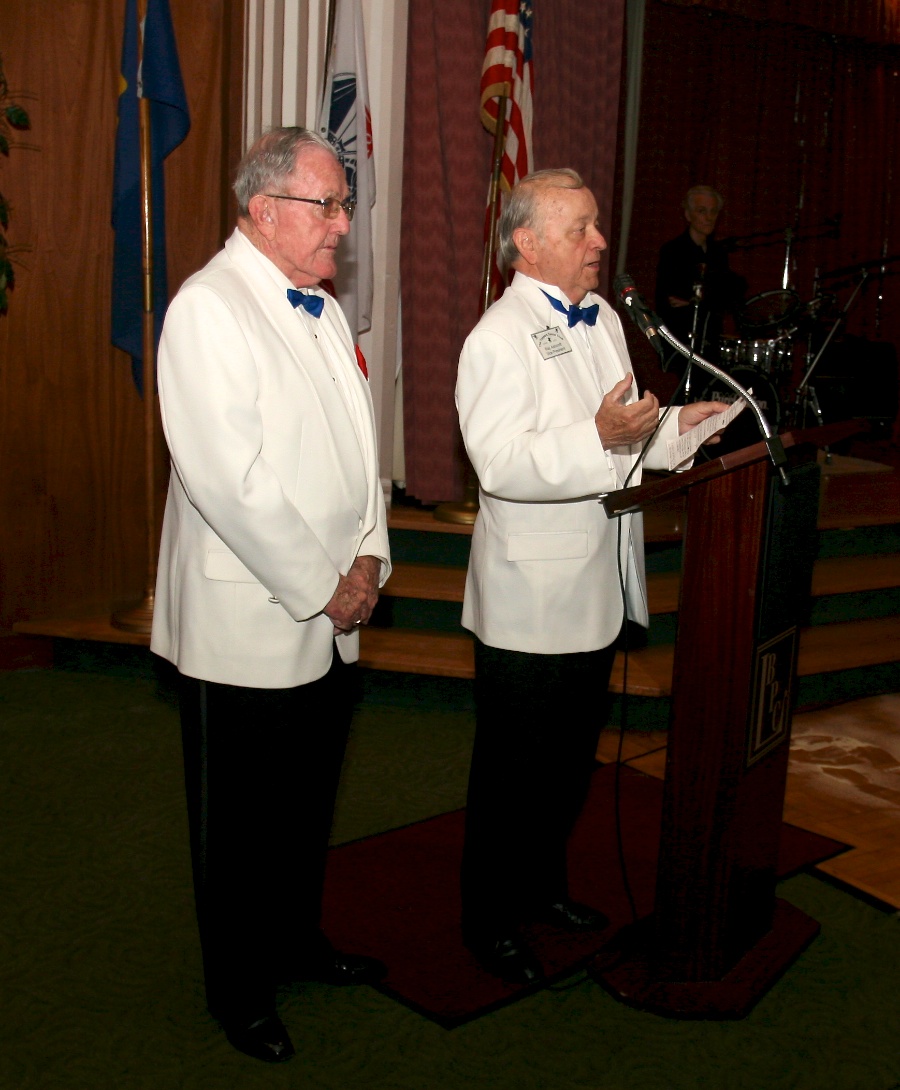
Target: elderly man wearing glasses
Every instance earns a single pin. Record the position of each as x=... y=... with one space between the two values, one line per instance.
x=274 y=546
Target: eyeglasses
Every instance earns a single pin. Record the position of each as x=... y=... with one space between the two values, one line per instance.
x=331 y=206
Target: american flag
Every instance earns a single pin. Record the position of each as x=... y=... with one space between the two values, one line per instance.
x=508 y=70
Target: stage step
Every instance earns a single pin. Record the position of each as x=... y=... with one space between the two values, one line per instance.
x=823 y=649
x=831 y=575
x=424 y=636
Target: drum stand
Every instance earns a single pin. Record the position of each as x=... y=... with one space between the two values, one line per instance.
x=695 y=346
x=805 y=400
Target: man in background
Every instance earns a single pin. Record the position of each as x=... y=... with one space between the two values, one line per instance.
x=274 y=546
x=695 y=288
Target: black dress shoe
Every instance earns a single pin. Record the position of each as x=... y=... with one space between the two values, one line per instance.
x=320 y=961
x=265 y=1039
x=507 y=956
x=572 y=916
x=341 y=968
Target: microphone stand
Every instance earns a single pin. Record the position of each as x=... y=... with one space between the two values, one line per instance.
x=653 y=329
x=695 y=301
x=772 y=441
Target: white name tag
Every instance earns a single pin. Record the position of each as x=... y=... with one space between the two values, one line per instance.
x=551 y=342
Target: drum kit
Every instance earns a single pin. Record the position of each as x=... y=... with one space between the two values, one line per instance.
x=780 y=342
x=761 y=355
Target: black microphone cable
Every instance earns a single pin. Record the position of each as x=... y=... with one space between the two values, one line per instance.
x=623 y=721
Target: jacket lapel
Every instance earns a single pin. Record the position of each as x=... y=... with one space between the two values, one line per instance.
x=311 y=356
x=576 y=366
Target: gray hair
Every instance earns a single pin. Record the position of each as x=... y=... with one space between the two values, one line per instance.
x=523 y=208
x=271 y=161
x=706 y=191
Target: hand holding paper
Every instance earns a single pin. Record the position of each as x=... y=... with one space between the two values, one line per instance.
x=686 y=445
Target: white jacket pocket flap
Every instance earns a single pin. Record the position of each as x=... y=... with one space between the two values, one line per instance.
x=226 y=566
x=556 y=546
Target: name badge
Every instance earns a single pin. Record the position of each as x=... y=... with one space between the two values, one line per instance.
x=551 y=342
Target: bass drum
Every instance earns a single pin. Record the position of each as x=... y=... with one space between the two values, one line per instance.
x=744 y=430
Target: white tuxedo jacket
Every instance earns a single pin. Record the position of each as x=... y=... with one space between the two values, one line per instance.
x=274 y=488
x=543 y=576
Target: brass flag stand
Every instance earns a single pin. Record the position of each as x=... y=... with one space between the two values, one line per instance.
x=139 y=618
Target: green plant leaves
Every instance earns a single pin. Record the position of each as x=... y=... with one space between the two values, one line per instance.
x=17 y=117
x=12 y=116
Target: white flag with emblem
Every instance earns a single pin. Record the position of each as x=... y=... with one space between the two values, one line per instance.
x=345 y=120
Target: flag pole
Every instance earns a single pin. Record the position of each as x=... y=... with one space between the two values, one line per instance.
x=493 y=201
x=139 y=618
x=465 y=512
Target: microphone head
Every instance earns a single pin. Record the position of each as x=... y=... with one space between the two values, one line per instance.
x=623 y=284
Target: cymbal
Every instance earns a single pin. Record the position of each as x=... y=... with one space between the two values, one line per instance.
x=860 y=266
x=818 y=307
x=851 y=281
x=768 y=310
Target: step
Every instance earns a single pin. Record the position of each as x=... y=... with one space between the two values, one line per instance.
x=441 y=654
x=823 y=649
x=831 y=575
x=449 y=654
x=416 y=651
x=853 y=494
x=663 y=522
x=827 y=648
x=432 y=582
x=851 y=574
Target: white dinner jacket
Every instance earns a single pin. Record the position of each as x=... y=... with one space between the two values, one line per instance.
x=274 y=488
x=542 y=575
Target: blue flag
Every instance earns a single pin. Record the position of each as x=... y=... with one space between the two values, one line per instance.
x=159 y=81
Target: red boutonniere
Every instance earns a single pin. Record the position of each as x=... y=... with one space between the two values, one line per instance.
x=328 y=286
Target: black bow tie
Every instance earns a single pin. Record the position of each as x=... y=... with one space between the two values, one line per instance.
x=312 y=304
x=588 y=315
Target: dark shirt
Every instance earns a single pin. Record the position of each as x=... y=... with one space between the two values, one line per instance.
x=685 y=269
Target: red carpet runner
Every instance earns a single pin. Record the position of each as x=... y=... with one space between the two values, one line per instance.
x=395 y=896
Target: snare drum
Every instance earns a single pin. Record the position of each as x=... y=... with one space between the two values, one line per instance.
x=729 y=349
x=771 y=356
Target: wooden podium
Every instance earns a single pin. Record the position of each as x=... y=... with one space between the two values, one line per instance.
x=718 y=936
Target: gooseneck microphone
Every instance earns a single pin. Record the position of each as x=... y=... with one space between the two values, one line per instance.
x=655 y=332
x=643 y=316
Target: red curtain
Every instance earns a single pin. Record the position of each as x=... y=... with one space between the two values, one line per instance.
x=873 y=21
x=793 y=123
x=445 y=182
x=794 y=126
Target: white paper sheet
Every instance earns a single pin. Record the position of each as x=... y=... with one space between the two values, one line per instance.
x=685 y=446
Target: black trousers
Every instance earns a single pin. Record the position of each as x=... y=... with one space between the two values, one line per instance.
x=538 y=719
x=261 y=774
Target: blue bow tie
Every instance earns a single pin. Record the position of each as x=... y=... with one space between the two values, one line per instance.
x=588 y=315
x=312 y=304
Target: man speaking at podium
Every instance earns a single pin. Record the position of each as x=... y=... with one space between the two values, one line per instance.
x=551 y=421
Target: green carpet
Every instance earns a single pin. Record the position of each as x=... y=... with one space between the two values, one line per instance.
x=100 y=983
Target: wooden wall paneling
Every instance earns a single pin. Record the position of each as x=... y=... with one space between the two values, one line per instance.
x=231 y=108
x=72 y=537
